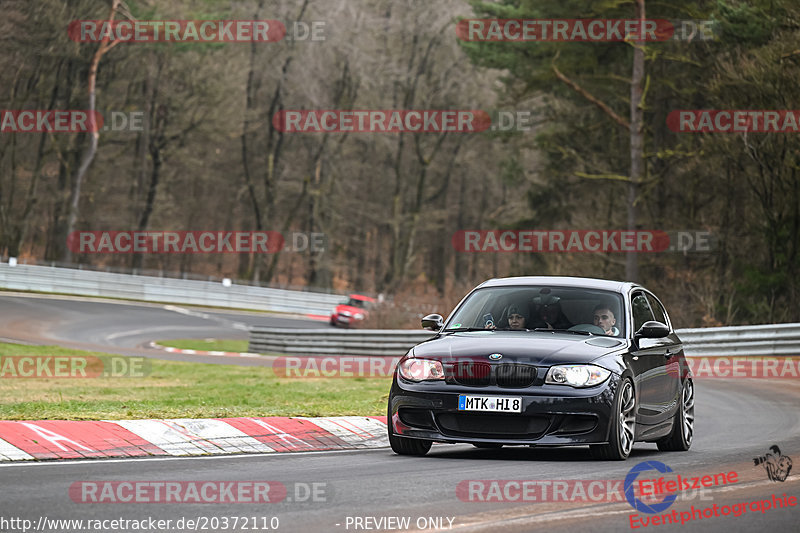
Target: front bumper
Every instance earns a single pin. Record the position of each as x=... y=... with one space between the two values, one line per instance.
x=552 y=415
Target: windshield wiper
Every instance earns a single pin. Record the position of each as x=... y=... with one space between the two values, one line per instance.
x=565 y=331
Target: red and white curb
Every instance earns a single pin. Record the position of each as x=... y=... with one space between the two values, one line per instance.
x=65 y=439
x=170 y=349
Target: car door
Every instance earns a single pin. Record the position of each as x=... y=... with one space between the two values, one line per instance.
x=647 y=359
x=670 y=386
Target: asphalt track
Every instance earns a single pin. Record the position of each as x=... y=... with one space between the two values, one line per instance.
x=736 y=421
x=126 y=328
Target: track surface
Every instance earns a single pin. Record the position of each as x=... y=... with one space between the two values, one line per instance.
x=126 y=328
x=736 y=421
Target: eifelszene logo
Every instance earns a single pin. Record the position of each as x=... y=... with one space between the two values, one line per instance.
x=630 y=483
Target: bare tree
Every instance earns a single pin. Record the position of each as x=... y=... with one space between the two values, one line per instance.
x=94 y=133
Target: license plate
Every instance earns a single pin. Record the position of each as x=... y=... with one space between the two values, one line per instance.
x=503 y=404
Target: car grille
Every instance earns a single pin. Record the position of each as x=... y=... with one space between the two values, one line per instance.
x=515 y=376
x=472 y=374
x=479 y=425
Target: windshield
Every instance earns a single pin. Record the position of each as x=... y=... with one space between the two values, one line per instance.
x=540 y=307
x=356 y=303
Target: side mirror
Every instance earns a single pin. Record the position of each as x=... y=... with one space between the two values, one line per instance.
x=433 y=322
x=652 y=330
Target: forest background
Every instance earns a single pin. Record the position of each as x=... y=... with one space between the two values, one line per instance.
x=598 y=153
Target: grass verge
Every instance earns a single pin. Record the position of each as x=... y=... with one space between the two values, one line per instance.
x=172 y=389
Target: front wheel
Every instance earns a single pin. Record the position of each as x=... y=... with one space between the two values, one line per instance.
x=623 y=426
x=404 y=445
x=680 y=438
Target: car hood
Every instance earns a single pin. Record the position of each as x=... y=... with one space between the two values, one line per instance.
x=536 y=348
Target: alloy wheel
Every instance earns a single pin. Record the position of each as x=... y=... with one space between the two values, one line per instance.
x=627 y=417
x=688 y=411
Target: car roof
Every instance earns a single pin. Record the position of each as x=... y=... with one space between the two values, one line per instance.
x=362 y=297
x=561 y=281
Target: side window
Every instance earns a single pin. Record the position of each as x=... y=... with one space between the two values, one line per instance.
x=658 y=310
x=641 y=311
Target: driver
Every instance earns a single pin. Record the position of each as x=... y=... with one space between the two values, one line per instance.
x=604 y=318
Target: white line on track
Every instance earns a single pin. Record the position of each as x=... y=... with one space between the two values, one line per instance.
x=206 y=316
x=133 y=332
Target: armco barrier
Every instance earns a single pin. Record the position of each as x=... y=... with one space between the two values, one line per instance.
x=156 y=289
x=335 y=342
x=768 y=339
x=775 y=339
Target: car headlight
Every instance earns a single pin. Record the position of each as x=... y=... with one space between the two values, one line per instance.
x=359 y=316
x=576 y=375
x=420 y=369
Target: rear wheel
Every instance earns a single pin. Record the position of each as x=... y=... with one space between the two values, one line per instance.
x=404 y=445
x=623 y=426
x=680 y=438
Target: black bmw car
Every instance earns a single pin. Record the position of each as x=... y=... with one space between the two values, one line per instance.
x=549 y=361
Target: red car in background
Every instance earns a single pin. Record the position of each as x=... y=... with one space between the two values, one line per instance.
x=355 y=309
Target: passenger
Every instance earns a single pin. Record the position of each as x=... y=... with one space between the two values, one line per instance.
x=551 y=313
x=604 y=318
x=517 y=317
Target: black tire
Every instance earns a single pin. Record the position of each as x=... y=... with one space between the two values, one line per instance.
x=682 y=434
x=404 y=445
x=623 y=425
x=487 y=445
